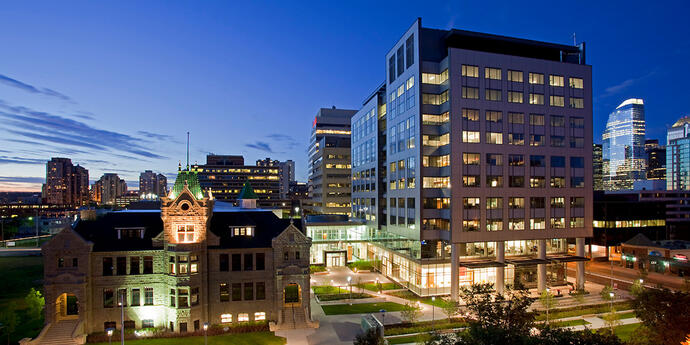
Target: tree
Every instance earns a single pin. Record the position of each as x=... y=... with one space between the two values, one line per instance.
x=35 y=302
x=370 y=337
x=636 y=288
x=9 y=320
x=411 y=312
x=451 y=308
x=606 y=293
x=611 y=319
x=665 y=314
x=579 y=296
x=499 y=311
x=548 y=301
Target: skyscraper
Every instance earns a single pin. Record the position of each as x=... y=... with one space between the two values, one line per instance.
x=287 y=176
x=151 y=184
x=678 y=155
x=597 y=162
x=329 y=161
x=624 y=159
x=656 y=159
x=66 y=184
x=109 y=187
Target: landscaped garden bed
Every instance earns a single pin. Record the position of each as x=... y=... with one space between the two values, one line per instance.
x=162 y=333
x=560 y=313
x=408 y=295
x=268 y=338
x=424 y=326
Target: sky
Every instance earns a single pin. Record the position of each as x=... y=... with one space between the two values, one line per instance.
x=115 y=85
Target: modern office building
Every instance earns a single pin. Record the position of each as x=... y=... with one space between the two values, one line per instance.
x=623 y=151
x=225 y=175
x=329 y=162
x=66 y=184
x=476 y=156
x=108 y=188
x=678 y=155
x=597 y=167
x=656 y=160
x=287 y=177
x=152 y=184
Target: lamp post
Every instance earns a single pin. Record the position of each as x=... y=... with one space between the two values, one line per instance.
x=349 y=279
x=122 y=319
x=433 y=309
x=110 y=335
x=205 y=333
x=611 y=295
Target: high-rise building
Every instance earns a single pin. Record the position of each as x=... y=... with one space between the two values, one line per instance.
x=624 y=159
x=678 y=155
x=152 y=184
x=656 y=159
x=329 y=161
x=225 y=175
x=498 y=127
x=66 y=184
x=110 y=187
x=597 y=167
x=287 y=177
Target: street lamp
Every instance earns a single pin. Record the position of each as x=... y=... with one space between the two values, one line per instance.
x=205 y=333
x=349 y=279
x=611 y=300
x=433 y=309
x=110 y=335
x=122 y=319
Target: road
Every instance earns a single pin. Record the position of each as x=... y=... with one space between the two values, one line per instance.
x=600 y=272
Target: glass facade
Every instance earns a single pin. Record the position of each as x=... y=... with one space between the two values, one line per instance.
x=678 y=155
x=624 y=159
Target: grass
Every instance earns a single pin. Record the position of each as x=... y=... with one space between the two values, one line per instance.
x=19 y=275
x=317 y=268
x=329 y=290
x=625 y=332
x=375 y=287
x=361 y=308
x=410 y=296
x=267 y=338
x=581 y=310
x=424 y=326
x=362 y=265
x=419 y=338
x=569 y=323
x=626 y=315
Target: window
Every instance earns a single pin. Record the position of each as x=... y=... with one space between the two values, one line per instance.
x=147 y=323
x=557 y=121
x=136 y=297
x=470 y=71
x=575 y=83
x=122 y=297
x=470 y=92
x=494 y=203
x=557 y=223
x=248 y=262
x=577 y=142
x=577 y=222
x=556 y=101
x=492 y=95
x=494 y=225
x=537 y=224
x=109 y=324
x=537 y=161
x=185 y=233
x=224 y=292
x=248 y=291
x=183 y=327
x=537 y=202
x=537 y=182
x=260 y=291
x=470 y=203
x=516 y=160
x=61 y=262
x=409 y=51
x=492 y=73
x=516 y=118
x=108 y=266
x=436 y=182
x=148 y=264
x=259 y=316
x=134 y=265
x=516 y=224
x=470 y=158
x=494 y=159
x=436 y=161
x=470 y=114
x=515 y=76
x=75 y=262
x=557 y=162
x=536 y=120
x=435 y=79
x=242 y=317
x=172 y=265
x=173 y=297
x=577 y=182
x=516 y=203
x=436 y=203
x=391 y=69
x=224 y=262
x=536 y=98
x=435 y=224
x=148 y=296
x=516 y=181
x=470 y=225
x=194 y=296
x=471 y=181
x=434 y=99
x=577 y=202
x=577 y=122
x=237 y=291
x=515 y=97
x=470 y=137
x=536 y=140
x=494 y=117
x=492 y=138
x=536 y=78
x=557 y=182
x=108 y=298
x=557 y=202
x=225 y=318
x=400 y=57
x=557 y=141
x=556 y=80
x=516 y=139
x=577 y=102
x=432 y=140
x=236 y=262
x=431 y=119
x=577 y=162
x=260 y=261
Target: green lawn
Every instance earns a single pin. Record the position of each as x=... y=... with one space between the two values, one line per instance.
x=578 y=311
x=424 y=326
x=317 y=268
x=375 y=287
x=362 y=265
x=625 y=332
x=626 y=315
x=267 y=338
x=361 y=308
x=329 y=290
x=19 y=275
x=569 y=323
x=410 y=296
x=420 y=338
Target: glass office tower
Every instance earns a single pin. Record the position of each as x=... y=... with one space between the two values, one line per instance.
x=678 y=155
x=623 y=146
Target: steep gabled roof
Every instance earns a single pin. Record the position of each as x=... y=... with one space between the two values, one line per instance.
x=189 y=178
x=640 y=240
x=103 y=230
x=266 y=226
x=247 y=192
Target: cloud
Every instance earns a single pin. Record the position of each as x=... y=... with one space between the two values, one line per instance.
x=612 y=90
x=22 y=179
x=285 y=140
x=21 y=160
x=261 y=146
x=160 y=137
x=32 y=89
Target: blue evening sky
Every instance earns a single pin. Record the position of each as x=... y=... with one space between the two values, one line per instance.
x=115 y=85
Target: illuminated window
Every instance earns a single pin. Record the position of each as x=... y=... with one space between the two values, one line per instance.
x=514 y=97
x=225 y=318
x=470 y=158
x=431 y=119
x=516 y=203
x=492 y=138
x=536 y=98
x=536 y=78
x=492 y=73
x=575 y=83
x=470 y=114
x=435 y=79
x=558 y=223
x=537 y=224
x=194 y=268
x=494 y=203
x=515 y=76
x=470 y=92
x=558 y=202
x=436 y=182
x=185 y=233
x=242 y=317
x=470 y=203
x=494 y=224
x=470 y=71
x=557 y=101
x=577 y=222
x=516 y=224
x=516 y=139
x=577 y=103
x=470 y=137
x=259 y=316
x=492 y=95
x=556 y=80
x=471 y=181
x=470 y=225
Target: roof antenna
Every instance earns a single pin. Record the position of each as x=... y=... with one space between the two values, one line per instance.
x=187 y=151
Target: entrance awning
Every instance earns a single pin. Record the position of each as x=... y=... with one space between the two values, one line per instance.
x=567 y=258
x=480 y=264
x=526 y=261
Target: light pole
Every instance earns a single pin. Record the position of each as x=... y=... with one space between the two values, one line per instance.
x=205 y=333
x=611 y=295
x=122 y=319
x=110 y=335
x=349 y=279
x=433 y=309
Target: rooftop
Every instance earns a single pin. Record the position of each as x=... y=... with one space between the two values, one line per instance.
x=629 y=101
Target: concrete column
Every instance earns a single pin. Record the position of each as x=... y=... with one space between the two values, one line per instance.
x=580 y=266
x=541 y=268
x=500 y=271
x=454 y=271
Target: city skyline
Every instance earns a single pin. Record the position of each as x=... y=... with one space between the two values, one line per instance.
x=125 y=113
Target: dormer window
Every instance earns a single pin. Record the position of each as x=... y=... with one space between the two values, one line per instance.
x=242 y=231
x=185 y=233
x=130 y=233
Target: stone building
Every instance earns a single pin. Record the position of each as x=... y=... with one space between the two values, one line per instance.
x=194 y=260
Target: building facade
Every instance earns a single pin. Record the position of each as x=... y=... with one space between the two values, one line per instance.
x=329 y=162
x=597 y=167
x=656 y=160
x=483 y=161
x=152 y=185
x=108 y=188
x=623 y=151
x=192 y=261
x=678 y=155
x=66 y=184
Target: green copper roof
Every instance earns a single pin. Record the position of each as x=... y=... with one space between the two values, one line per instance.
x=192 y=180
x=247 y=192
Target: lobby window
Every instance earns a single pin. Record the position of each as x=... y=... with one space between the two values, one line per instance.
x=536 y=98
x=471 y=115
x=237 y=291
x=236 y=262
x=576 y=83
x=259 y=316
x=492 y=73
x=108 y=266
x=470 y=203
x=260 y=261
x=577 y=102
x=471 y=181
x=108 y=298
x=492 y=138
x=516 y=139
x=248 y=291
x=260 y=291
x=515 y=76
x=470 y=137
x=225 y=318
x=134 y=265
x=515 y=97
x=556 y=80
x=148 y=264
x=224 y=292
x=223 y=262
x=470 y=158
x=136 y=297
x=516 y=203
x=148 y=296
x=409 y=51
x=185 y=233
x=536 y=78
x=470 y=92
x=557 y=101
x=492 y=95
x=470 y=71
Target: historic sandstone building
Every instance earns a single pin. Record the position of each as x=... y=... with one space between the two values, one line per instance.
x=193 y=261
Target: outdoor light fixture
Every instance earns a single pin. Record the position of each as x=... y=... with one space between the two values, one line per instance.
x=205 y=333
